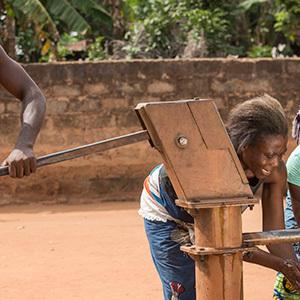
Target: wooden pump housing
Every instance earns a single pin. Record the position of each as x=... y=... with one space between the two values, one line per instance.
x=209 y=182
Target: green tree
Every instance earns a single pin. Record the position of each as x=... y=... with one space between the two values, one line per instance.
x=288 y=23
x=163 y=28
x=46 y=19
x=7 y=28
x=272 y=25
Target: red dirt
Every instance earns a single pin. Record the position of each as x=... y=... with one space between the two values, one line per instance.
x=90 y=252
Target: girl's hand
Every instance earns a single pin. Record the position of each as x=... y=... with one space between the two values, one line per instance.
x=291 y=270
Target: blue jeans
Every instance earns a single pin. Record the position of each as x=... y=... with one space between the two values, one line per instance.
x=175 y=268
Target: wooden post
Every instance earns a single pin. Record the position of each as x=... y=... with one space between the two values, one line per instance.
x=218 y=276
x=209 y=182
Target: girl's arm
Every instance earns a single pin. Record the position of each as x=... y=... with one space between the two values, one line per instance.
x=281 y=257
x=274 y=190
x=288 y=267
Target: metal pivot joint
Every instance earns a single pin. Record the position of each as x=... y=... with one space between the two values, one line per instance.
x=181 y=141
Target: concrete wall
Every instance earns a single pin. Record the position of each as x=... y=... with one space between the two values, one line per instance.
x=88 y=102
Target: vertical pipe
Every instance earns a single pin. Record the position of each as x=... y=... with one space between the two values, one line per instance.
x=218 y=276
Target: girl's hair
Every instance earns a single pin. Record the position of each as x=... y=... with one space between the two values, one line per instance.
x=296 y=127
x=251 y=120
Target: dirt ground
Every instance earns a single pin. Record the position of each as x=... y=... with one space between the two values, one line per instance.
x=91 y=252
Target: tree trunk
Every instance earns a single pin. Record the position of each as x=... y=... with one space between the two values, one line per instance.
x=117 y=18
x=11 y=37
x=2 y=25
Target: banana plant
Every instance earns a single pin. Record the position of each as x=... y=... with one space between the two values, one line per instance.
x=50 y=17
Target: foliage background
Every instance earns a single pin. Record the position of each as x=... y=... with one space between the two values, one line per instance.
x=49 y=30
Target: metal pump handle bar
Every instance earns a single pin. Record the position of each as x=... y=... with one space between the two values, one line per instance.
x=84 y=150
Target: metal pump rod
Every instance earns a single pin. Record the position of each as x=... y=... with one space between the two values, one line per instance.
x=84 y=150
x=271 y=237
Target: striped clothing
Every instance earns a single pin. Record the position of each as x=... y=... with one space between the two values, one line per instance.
x=152 y=206
x=166 y=229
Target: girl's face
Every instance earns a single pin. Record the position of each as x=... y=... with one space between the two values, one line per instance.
x=261 y=159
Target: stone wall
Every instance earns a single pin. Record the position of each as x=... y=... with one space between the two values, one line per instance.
x=88 y=102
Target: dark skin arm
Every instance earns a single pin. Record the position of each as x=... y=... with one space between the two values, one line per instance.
x=281 y=257
x=274 y=190
x=288 y=267
x=14 y=79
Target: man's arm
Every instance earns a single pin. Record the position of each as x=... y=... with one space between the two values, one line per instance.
x=14 y=79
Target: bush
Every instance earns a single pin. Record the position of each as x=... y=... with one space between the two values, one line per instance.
x=96 y=50
x=260 y=51
x=161 y=28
